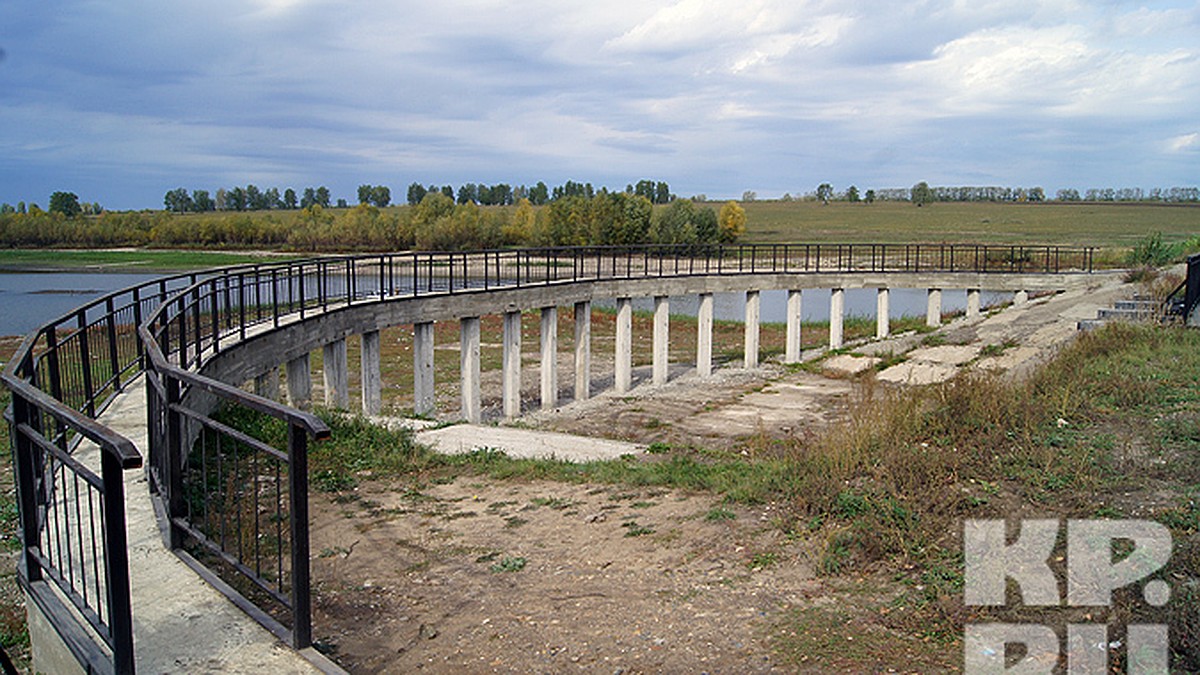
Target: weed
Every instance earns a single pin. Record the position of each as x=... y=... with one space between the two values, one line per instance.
x=763 y=560
x=717 y=514
x=508 y=564
x=635 y=530
x=658 y=448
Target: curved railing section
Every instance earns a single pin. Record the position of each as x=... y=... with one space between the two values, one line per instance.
x=226 y=492
x=70 y=492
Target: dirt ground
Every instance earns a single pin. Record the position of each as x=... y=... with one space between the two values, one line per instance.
x=546 y=577
x=483 y=576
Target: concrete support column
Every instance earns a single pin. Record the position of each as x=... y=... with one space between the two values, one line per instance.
x=267 y=384
x=791 y=351
x=299 y=382
x=549 y=371
x=623 y=377
x=337 y=375
x=372 y=379
x=933 y=308
x=883 y=319
x=662 y=332
x=753 y=309
x=837 y=311
x=423 y=398
x=704 y=331
x=974 y=308
x=583 y=350
x=511 y=364
x=1020 y=297
x=468 y=329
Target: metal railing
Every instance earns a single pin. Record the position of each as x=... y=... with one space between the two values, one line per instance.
x=70 y=489
x=223 y=488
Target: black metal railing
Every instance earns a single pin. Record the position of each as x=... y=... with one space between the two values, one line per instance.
x=74 y=563
x=235 y=494
x=206 y=470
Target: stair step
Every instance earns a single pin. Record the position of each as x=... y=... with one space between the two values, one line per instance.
x=1114 y=313
x=1090 y=324
x=1146 y=305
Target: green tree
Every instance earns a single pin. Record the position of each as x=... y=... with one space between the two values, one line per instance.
x=289 y=198
x=364 y=194
x=322 y=196
x=921 y=194
x=381 y=196
x=66 y=203
x=201 y=201
x=824 y=192
x=176 y=200
x=852 y=194
x=869 y=197
x=416 y=192
x=539 y=194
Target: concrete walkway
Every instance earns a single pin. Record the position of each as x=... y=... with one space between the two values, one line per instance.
x=525 y=443
x=180 y=622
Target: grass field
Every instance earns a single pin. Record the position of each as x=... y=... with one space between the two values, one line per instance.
x=1103 y=225
x=125 y=260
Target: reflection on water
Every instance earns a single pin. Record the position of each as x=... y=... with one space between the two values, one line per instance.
x=30 y=299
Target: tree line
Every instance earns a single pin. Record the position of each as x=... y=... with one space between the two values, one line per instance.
x=923 y=193
x=437 y=222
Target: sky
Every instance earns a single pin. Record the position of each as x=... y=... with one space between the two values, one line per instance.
x=120 y=101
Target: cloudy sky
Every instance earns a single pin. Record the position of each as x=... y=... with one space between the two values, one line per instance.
x=122 y=100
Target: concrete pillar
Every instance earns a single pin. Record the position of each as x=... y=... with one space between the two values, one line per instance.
x=372 y=379
x=662 y=332
x=623 y=378
x=299 y=382
x=511 y=364
x=468 y=328
x=791 y=351
x=753 y=308
x=974 y=308
x=1020 y=297
x=933 y=308
x=423 y=397
x=837 y=311
x=704 y=332
x=883 y=319
x=267 y=384
x=583 y=350
x=549 y=371
x=337 y=375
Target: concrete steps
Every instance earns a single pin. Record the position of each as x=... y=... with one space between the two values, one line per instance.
x=1136 y=309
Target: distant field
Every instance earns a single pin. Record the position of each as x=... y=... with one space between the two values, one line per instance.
x=1104 y=225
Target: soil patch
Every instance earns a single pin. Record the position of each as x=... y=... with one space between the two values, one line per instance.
x=475 y=576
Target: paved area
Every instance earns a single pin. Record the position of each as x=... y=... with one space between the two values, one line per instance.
x=525 y=443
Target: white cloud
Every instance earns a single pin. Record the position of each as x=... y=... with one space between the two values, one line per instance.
x=1185 y=143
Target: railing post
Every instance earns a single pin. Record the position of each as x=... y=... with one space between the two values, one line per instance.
x=27 y=481
x=113 y=357
x=116 y=559
x=298 y=493
x=173 y=461
x=85 y=359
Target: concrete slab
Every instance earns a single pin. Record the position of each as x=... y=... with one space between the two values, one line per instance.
x=953 y=355
x=525 y=443
x=918 y=372
x=847 y=364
